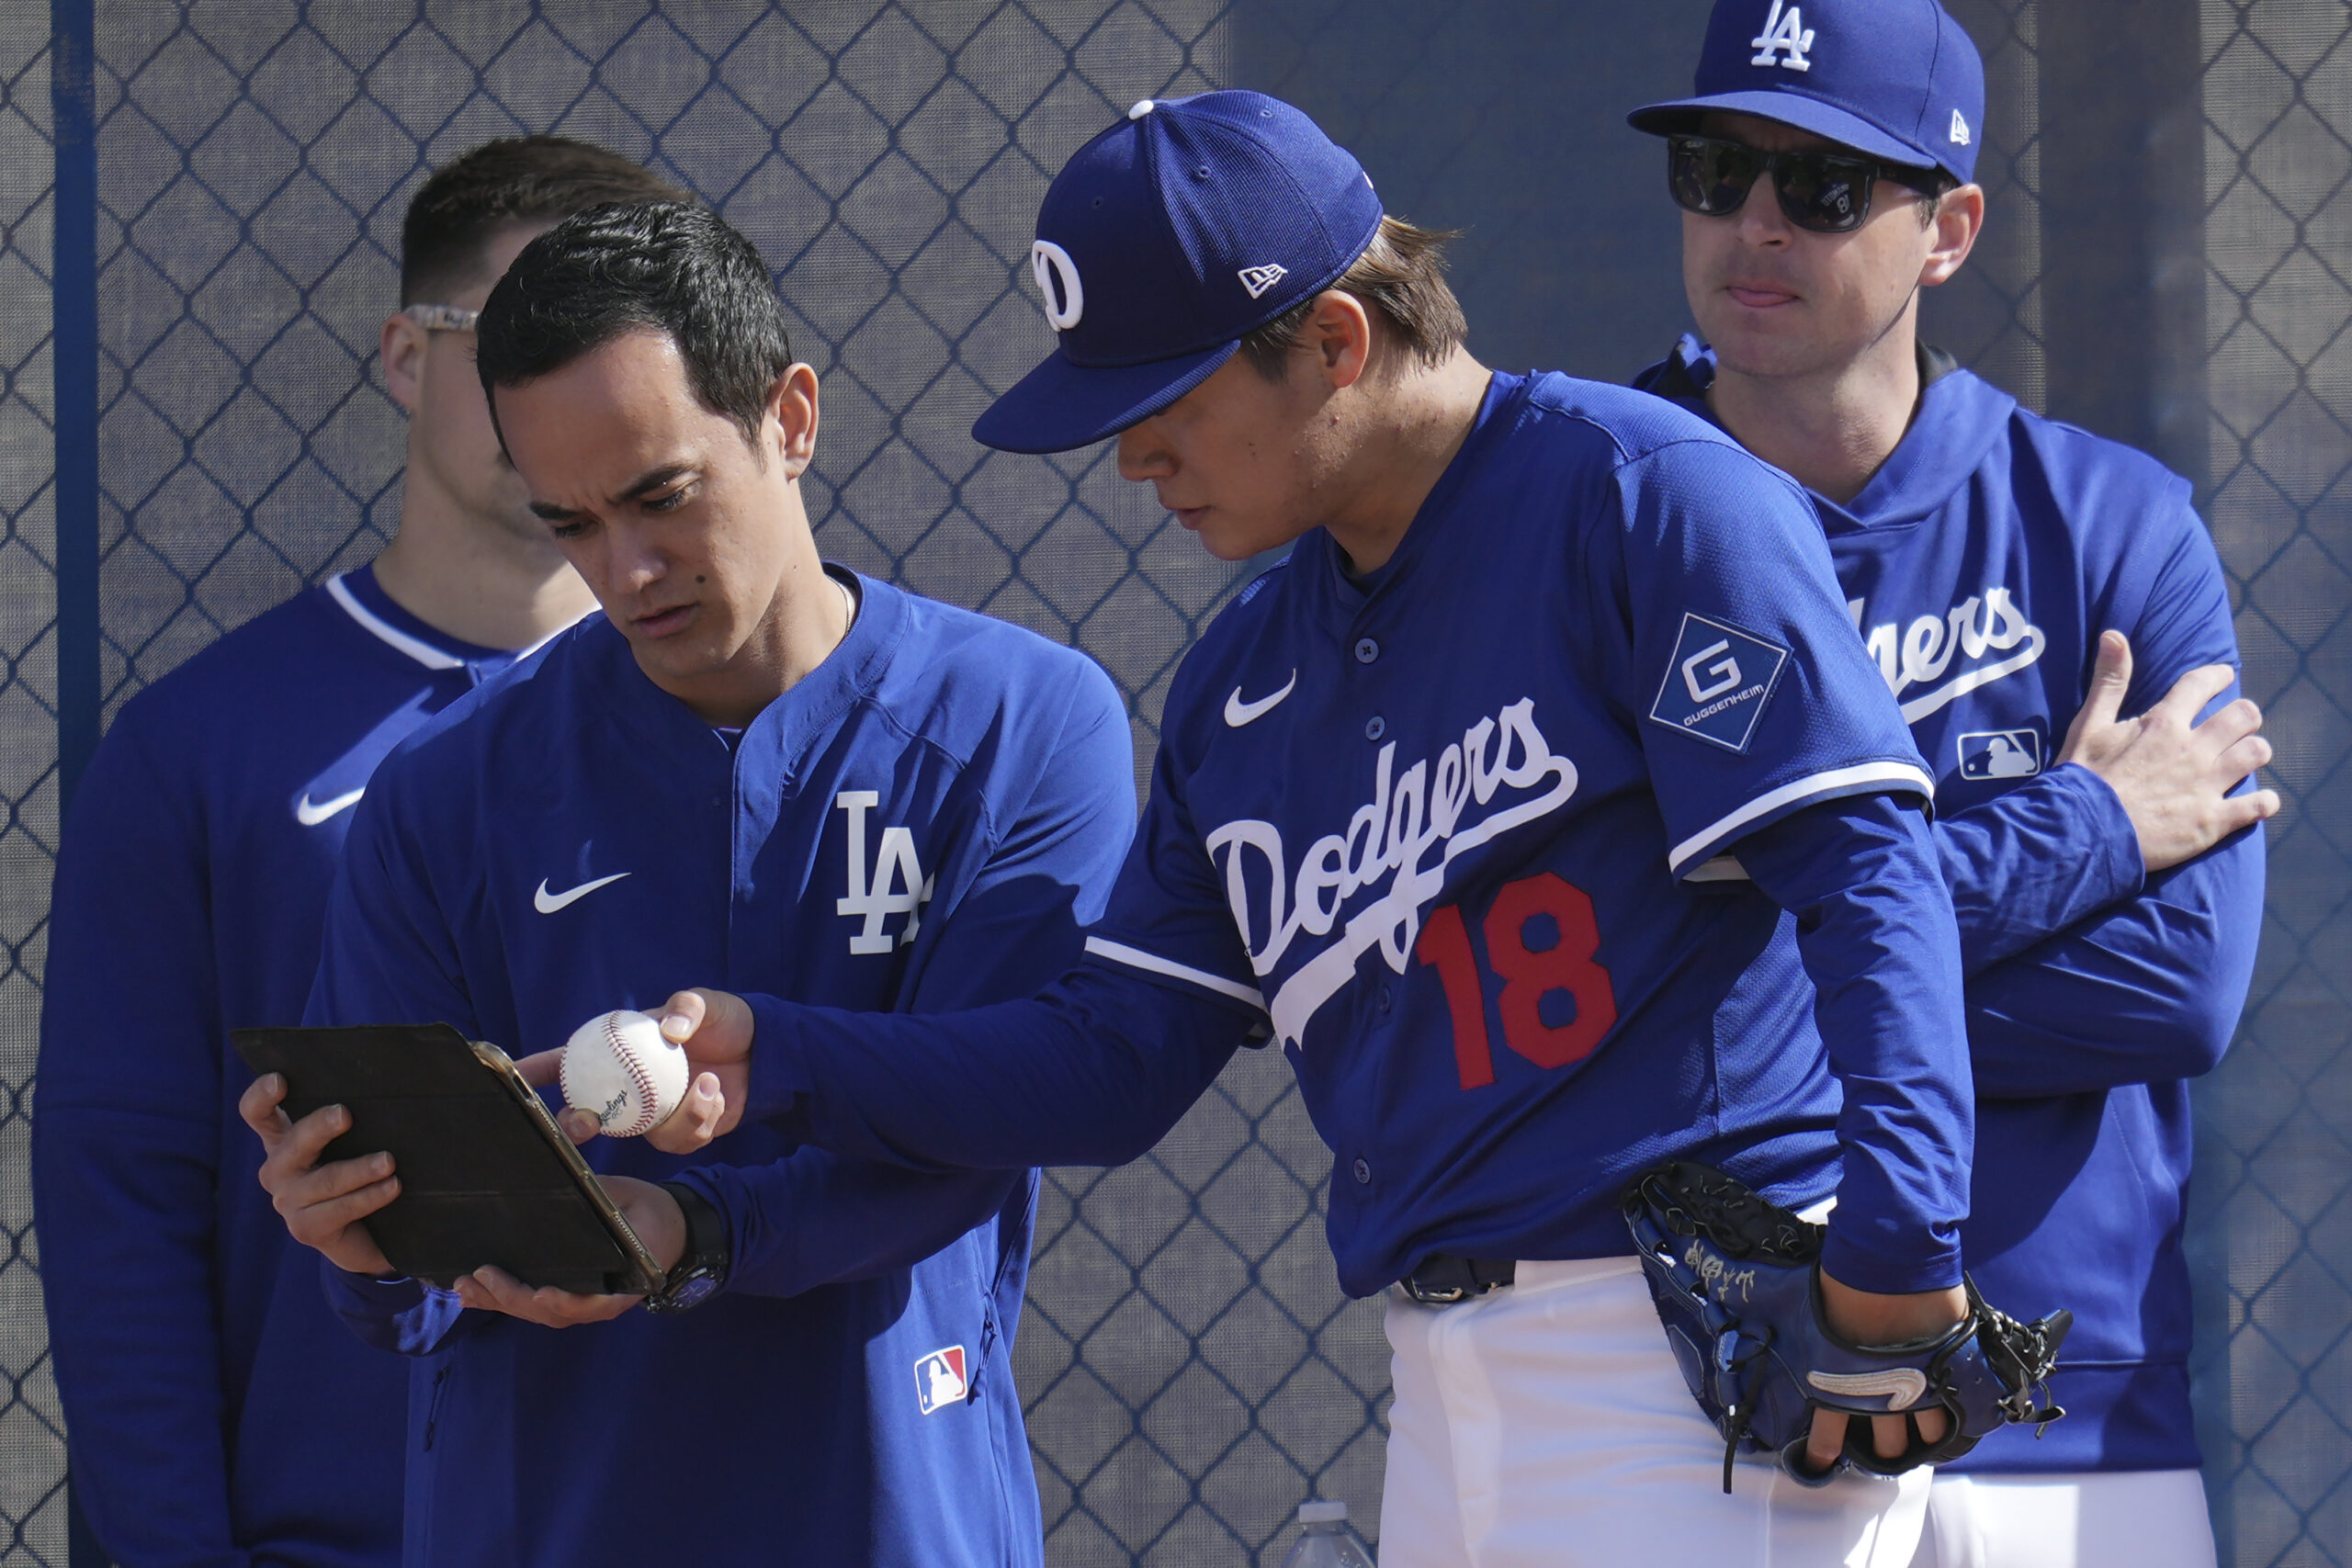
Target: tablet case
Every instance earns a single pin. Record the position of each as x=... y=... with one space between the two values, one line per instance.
x=486 y=1175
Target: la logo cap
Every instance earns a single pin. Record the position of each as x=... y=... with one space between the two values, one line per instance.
x=1163 y=241
x=1895 y=78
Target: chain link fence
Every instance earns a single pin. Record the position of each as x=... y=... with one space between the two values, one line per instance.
x=2275 y=1145
x=1191 y=1368
x=32 y=1454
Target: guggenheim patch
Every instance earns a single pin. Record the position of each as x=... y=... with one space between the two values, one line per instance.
x=1717 y=682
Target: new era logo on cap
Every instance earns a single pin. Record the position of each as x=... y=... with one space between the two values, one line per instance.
x=1258 y=280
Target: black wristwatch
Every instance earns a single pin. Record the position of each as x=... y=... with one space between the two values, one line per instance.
x=701 y=1270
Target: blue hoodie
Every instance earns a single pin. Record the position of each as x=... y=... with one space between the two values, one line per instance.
x=1981 y=563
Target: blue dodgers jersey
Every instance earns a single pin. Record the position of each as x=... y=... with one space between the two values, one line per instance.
x=1981 y=565
x=921 y=823
x=189 y=1335
x=1441 y=824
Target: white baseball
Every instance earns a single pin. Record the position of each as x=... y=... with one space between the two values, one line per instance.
x=624 y=1071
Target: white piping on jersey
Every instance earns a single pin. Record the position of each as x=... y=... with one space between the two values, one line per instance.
x=1135 y=958
x=1837 y=780
x=423 y=652
x=416 y=647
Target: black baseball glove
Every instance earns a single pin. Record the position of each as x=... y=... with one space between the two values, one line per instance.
x=1734 y=1278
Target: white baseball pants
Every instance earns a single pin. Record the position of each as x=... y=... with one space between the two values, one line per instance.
x=2147 y=1518
x=1545 y=1425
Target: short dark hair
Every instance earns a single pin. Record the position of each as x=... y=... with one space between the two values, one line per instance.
x=517 y=179
x=1401 y=278
x=1931 y=202
x=673 y=267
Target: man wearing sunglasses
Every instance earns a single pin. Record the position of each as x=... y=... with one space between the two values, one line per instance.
x=2008 y=574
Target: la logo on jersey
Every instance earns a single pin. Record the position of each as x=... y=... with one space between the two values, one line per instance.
x=1786 y=41
x=1986 y=635
x=894 y=886
x=1717 y=681
x=2000 y=754
x=940 y=1380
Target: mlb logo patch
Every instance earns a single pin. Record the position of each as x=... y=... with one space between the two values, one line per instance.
x=1717 y=682
x=2000 y=754
x=940 y=1380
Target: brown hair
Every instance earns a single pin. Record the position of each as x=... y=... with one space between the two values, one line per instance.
x=1401 y=276
x=517 y=179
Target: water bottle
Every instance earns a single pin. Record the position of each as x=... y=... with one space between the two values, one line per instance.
x=1325 y=1541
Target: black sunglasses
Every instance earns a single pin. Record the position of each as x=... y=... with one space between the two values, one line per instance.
x=1828 y=193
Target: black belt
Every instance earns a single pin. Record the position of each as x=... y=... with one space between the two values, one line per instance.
x=1443 y=1280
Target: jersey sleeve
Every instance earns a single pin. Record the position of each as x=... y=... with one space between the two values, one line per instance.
x=1875 y=932
x=818 y=1217
x=2053 y=853
x=2034 y=860
x=2147 y=988
x=1093 y=1071
x=387 y=955
x=1732 y=648
x=1169 y=920
x=125 y=1163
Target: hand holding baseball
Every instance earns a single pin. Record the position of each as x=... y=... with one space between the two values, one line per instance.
x=713 y=1029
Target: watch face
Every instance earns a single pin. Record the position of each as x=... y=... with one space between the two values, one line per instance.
x=693 y=1292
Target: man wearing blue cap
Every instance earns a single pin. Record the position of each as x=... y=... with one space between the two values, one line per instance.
x=1996 y=563
x=1445 y=806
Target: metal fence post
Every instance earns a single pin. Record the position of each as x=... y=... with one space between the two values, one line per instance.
x=75 y=299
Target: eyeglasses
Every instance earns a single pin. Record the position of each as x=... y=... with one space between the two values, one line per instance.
x=1828 y=193
x=441 y=318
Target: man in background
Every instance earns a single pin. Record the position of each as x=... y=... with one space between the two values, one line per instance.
x=216 y=1411
x=2008 y=573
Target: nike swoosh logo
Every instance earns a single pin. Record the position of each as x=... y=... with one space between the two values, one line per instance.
x=548 y=903
x=1239 y=713
x=311 y=815
x=1903 y=1386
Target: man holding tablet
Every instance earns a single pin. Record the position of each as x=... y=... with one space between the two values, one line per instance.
x=751 y=764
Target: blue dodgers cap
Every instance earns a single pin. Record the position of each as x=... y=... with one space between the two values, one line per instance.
x=1896 y=79
x=1162 y=243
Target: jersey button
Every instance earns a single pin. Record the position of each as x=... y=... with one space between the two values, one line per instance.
x=1375 y=727
x=1366 y=651
x=1387 y=998
x=1363 y=1174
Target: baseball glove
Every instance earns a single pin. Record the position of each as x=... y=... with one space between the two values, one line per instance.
x=1735 y=1278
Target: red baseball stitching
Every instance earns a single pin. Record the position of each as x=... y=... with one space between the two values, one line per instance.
x=637 y=1074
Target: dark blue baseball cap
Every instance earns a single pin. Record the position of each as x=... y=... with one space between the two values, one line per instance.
x=1161 y=244
x=1895 y=79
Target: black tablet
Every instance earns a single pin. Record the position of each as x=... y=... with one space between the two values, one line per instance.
x=486 y=1175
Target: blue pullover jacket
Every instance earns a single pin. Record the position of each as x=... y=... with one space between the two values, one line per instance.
x=1981 y=564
